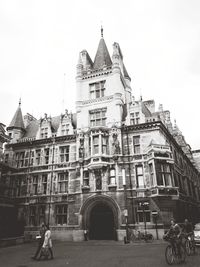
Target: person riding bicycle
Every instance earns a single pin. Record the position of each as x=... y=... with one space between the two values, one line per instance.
x=174 y=235
x=188 y=230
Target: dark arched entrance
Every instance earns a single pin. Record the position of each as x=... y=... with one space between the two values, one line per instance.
x=101 y=223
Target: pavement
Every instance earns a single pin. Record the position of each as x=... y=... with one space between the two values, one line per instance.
x=93 y=254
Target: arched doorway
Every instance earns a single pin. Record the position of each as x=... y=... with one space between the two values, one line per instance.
x=101 y=223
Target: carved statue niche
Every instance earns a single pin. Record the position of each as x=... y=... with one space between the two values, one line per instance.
x=115 y=144
x=81 y=147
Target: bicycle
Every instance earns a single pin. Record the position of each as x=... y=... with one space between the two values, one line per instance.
x=189 y=244
x=138 y=236
x=173 y=254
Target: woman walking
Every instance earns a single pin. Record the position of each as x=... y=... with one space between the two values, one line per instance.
x=47 y=245
x=40 y=241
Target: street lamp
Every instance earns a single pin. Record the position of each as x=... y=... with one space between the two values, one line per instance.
x=143 y=204
x=155 y=216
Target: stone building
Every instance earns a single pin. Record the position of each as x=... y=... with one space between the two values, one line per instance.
x=8 y=211
x=196 y=157
x=116 y=162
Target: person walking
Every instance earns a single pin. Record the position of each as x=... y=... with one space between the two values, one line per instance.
x=47 y=244
x=40 y=242
x=86 y=235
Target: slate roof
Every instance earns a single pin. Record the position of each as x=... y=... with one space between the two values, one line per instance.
x=102 y=57
x=32 y=128
x=17 y=121
x=126 y=75
x=145 y=110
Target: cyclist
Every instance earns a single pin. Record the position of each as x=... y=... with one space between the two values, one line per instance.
x=174 y=234
x=188 y=230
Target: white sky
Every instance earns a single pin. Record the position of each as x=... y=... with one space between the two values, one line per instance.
x=160 y=42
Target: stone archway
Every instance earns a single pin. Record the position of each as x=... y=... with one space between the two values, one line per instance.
x=100 y=217
x=101 y=223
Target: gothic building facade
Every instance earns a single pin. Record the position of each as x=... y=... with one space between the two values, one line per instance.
x=116 y=162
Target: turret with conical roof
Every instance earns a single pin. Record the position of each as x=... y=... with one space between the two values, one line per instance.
x=16 y=128
x=102 y=58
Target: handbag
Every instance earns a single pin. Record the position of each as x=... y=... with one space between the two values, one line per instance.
x=44 y=252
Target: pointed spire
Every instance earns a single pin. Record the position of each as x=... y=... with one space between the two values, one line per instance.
x=102 y=57
x=17 y=121
x=101 y=31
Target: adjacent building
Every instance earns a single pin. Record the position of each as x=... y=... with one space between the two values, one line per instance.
x=116 y=162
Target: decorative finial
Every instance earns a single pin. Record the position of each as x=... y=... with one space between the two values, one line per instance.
x=101 y=31
x=20 y=102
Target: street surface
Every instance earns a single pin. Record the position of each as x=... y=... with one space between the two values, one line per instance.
x=93 y=254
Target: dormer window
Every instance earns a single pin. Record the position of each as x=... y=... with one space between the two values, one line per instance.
x=44 y=132
x=65 y=129
x=97 y=89
x=135 y=118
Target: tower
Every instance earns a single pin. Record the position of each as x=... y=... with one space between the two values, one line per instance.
x=16 y=128
x=102 y=88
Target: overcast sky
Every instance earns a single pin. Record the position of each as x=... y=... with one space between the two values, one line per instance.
x=160 y=42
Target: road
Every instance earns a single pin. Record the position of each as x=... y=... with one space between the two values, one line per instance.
x=93 y=254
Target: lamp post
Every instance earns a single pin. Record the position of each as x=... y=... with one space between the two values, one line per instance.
x=155 y=216
x=143 y=204
x=126 y=238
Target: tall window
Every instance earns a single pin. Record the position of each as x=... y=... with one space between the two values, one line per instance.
x=95 y=144
x=37 y=156
x=17 y=159
x=65 y=129
x=44 y=132
x=112 y=177
x=136 y=144
x=32 y=216
x=151 y=173
x=31 y=158
x=139 y=176
x=44 y=183
x=35 y=184
x=61 y=214
x=104 y=144
x=97 y=174
x=41 y=213
x=26 y=159
x=98 y=117
x=21 y=159
x=46 y=156
x=135 y=118
x=97 y=89
x=86 y=178
x=163 y=172
x=63 y=182
x=64 y=153
x=18 y=186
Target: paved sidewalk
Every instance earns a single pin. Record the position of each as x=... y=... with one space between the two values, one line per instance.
x=92 y=254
